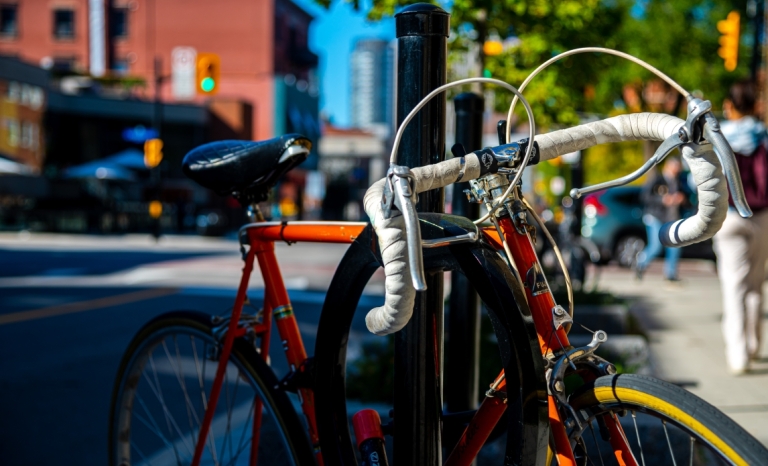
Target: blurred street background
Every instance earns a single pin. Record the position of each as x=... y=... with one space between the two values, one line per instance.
x=100 y=231
x=69 y=305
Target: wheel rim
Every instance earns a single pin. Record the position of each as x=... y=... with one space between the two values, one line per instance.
x=163 y=398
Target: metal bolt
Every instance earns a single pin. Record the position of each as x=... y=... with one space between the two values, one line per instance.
x=611 y=369
x=559 y=386
x=682 y=134
x=559 y=311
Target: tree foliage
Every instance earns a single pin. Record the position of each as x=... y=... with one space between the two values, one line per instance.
x=679 y=37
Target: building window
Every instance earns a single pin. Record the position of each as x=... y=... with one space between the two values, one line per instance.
x=119 y=25
x=121 y=66
x=63 y=24
x=30 y=134
x=12 y=130
x=8 y=22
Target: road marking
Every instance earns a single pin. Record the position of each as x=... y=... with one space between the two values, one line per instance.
x=81 y=306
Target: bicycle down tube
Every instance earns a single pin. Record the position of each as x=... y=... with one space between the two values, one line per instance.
x=260 y=238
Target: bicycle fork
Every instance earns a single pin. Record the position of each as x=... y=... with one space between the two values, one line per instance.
x=549 y=319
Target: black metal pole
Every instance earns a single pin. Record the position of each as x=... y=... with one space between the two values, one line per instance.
x=157 y=122
x=463 y=350
x=422 y=32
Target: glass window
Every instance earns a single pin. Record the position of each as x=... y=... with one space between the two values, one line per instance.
x=119 y=26
x=63 y=24
x=121 y=66
x=12 y=128
x=8 y=22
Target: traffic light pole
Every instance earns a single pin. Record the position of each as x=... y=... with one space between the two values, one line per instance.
x=422 y=32
x=154 y=172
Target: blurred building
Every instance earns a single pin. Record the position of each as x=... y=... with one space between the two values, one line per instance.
x=82 y=81
x=351 y=160
x=265 y=60
x=373 y=89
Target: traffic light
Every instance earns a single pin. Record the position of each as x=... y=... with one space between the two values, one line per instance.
x=208 y=73
x=729 y=40
x=153 y=152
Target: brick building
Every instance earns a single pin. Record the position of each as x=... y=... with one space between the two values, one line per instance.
x=265 y=59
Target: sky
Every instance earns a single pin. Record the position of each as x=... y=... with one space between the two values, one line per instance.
x=332 y=36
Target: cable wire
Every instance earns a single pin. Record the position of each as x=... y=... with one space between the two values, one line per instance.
x=617 y=53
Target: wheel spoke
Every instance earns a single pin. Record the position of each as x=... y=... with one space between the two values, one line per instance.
x=594 y=437
x=179 y=372
x=247 y=425
x=144 y=458
x=153 y=427
x=170 y=421
x=693 y=440
x=666 y=434
x=637 y=432
x=160 y=416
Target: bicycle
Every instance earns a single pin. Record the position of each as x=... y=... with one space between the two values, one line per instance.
x=564 y=405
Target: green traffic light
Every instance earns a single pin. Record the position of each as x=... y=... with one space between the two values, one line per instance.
x=207 y=84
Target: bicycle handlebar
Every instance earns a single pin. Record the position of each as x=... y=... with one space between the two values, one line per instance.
x=703 y=161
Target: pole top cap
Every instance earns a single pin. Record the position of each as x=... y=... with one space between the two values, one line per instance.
x=422 y=19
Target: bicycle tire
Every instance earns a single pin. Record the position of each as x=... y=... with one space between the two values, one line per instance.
x=714 y=438
x=282 y=440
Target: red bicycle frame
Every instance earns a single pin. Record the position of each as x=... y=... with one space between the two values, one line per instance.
x=516 y=233
x=261 y=238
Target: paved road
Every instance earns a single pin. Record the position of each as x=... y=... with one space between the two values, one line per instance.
x=67 y=313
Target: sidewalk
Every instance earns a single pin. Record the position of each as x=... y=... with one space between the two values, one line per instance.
x=683 y=326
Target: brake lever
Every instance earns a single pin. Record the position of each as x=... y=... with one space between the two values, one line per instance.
x=700 y=127
x=400 y=193
x=728 y=162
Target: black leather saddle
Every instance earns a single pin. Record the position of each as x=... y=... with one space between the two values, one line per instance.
x=245 y=169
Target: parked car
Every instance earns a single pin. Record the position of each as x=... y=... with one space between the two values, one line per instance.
x=613 y=220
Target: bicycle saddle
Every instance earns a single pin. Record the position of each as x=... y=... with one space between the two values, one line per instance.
x=245 y=169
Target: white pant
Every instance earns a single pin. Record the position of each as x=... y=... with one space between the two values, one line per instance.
x=742 y=249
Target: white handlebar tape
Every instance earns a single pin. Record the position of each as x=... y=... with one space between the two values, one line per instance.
x=705 y=168
x=713 y=200
x=633 y=127
x=398 y=301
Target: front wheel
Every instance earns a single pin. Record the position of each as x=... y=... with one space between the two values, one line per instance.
x=161 y=393
x=662 y=423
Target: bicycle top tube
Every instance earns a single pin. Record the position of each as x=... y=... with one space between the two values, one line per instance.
x=308 y=231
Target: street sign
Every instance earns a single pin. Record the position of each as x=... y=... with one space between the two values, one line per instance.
x=183 y=63
x=138 y=134
x=153 y=152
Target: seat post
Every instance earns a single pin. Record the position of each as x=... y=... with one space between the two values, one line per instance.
x=254 y=213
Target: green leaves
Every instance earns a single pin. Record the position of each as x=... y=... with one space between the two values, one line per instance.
x=677 y=36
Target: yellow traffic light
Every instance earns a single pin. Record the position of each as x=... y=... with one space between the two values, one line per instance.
x=208 y=73
x=729 y=40
x=153 y=152
x=155 y=209
x=492 y=48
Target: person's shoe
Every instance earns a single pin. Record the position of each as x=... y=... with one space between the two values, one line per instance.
x=673 y=283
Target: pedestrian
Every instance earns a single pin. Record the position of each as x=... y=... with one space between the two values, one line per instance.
x=741 y=244
x=663 y=196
